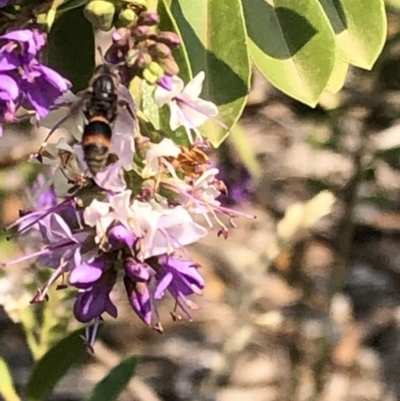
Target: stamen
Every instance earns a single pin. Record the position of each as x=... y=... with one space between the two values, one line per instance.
x=26 y=257
x=184 y=310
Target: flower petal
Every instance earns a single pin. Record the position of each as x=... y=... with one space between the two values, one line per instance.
x=163 y=96
x=111 y=178
x=197 y=113
x=193 y=89
x=55 y=79
x=86 y=273
x=8 y=88
x=139 y=299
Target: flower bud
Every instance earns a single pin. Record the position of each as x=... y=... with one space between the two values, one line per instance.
x=160 y=50
x=126 y=18
x=169 y=38
x=148 y=18
x=143 y=60
x=121 y=36
x=100 y=13
x=141 y=32
x=139 y=298
x=156 y=69
x=41 y=19
x=137 y=3
x=149 y=76
x=169 y=66
x=165 y=82
x=136 y=271
x=119 y=236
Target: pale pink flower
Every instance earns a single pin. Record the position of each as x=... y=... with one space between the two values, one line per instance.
x=187 y=109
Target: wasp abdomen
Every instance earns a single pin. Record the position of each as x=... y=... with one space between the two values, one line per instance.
x=100 y=108
x=96 y=141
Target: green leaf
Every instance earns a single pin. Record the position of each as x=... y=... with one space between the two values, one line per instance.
x=292 y=44
x=360 y=30
x=338 y=77
x=54 y=365
x=215 y=39
x=179 y=136
x=71 y=50
x=7 y=389
x=114 y=383
x=168 y=23
x=150 y=109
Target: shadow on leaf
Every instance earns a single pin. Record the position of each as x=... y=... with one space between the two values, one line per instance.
x=334 y=11
x=279 y=32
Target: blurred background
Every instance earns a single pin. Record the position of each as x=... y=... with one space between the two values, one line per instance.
x=302 y=303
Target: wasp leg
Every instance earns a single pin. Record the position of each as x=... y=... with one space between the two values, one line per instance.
x=125 y=104
x=72 y=111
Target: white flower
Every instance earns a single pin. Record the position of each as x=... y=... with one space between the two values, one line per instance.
x=175 y=229
x=187 y=109
x=66 y=163
x=201 y=193
x=159 y=230
x=98 y=215
x=201 y=196
x=155 y=157
x=162 y=230
x=111 y=178
x=102 y=214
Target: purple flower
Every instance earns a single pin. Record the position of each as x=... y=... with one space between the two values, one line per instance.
x=177 y=276
x=85 y=275
x=21 y=47
x=95 y=300
x=24 y=80
x=64 y=249
x=139 y=299
x=181 y=278
x=137 y=271
x=9 y=93
x=42 y=86
x=43 y=196
x=119 y=236
x=3 y=3
x=137 y=277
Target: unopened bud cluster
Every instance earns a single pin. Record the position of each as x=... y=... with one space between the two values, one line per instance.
x=138 y=46
x=152 y=56
x=105 y=14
